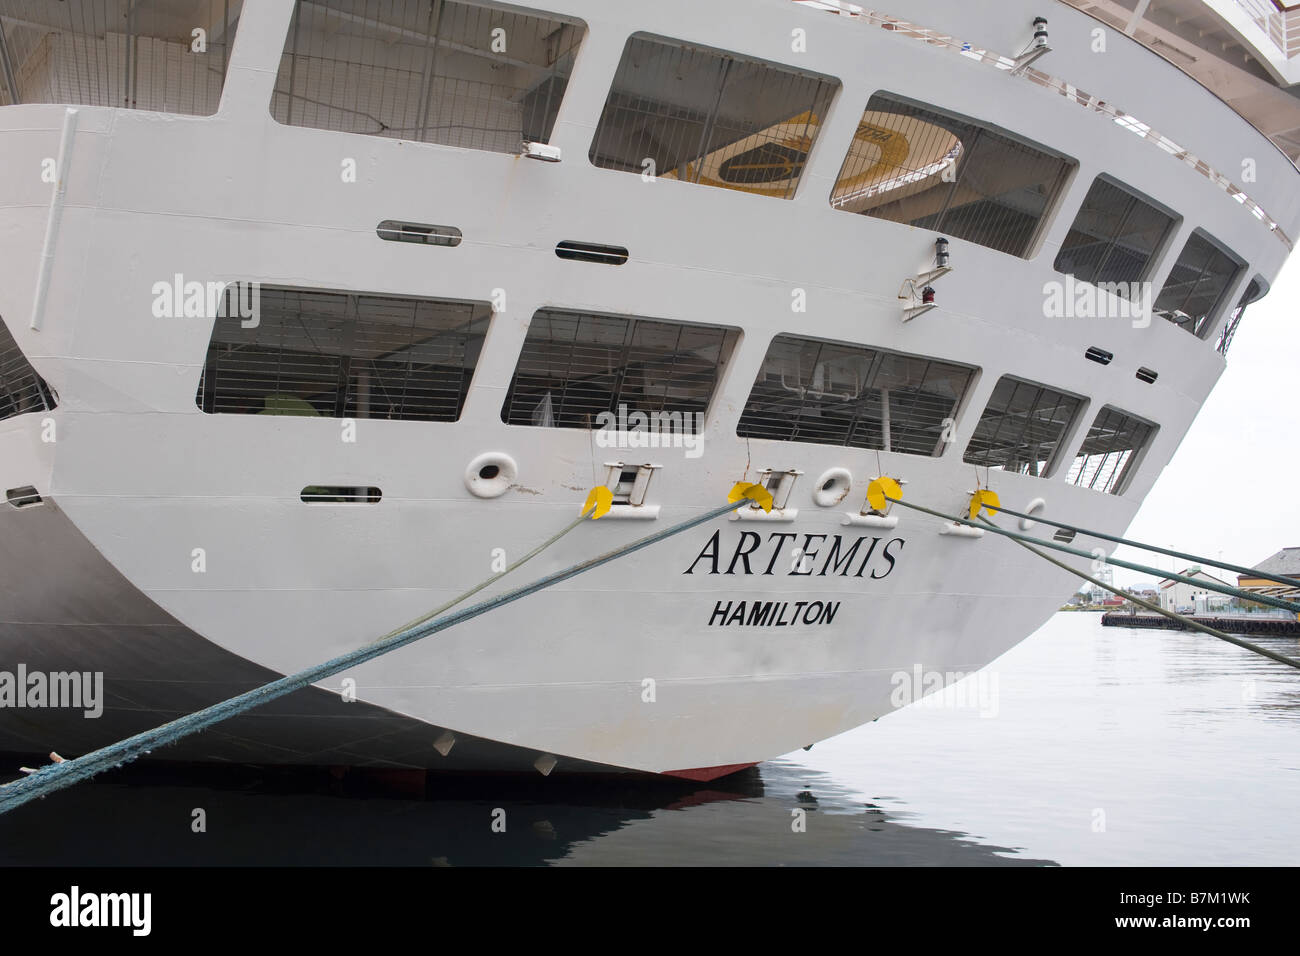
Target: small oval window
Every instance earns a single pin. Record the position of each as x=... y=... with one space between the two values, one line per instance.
x=340 y=494
x=592 y=252
x=422 y=233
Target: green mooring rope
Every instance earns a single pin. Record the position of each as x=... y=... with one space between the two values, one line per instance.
x=1024 y=539
x=53 y=777
x=1117 y=562
x=1253 y=572
x=1194 y=625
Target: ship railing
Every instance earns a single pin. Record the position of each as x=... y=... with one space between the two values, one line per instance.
x=166 y=57
x=1282 y=26
x=1069 y=91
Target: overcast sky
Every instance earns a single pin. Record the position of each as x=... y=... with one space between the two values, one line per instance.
x=1233 y=489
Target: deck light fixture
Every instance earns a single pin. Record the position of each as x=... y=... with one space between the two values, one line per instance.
x=543 y=151
x=1040 y=32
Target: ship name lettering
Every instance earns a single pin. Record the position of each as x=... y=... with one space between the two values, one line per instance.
x=818 y=558
x=772 y=613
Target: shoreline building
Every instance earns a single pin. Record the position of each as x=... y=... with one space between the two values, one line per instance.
x=1181 y=596
x=1285 y=562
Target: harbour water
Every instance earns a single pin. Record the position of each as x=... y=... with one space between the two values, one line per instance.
x=1084 y=745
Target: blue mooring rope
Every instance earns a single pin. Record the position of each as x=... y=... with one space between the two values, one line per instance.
x=56 y=776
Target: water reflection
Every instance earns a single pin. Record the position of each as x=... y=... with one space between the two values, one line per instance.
x=1107 y=746
x=144 y=815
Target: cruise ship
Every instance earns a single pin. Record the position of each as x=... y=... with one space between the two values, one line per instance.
x=319 y=313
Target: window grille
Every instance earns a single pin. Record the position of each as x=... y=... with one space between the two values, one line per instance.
x=1254 y=292
x=21 y=389
x=678 y=111
x=1107 y=458
x=344 y=355
x=832 y=394
x=454 y=72
x=1113 y=239
x=576 y=365
x=137 y=54
x=1201 y=277
x=1022 y=427
x=916 y=165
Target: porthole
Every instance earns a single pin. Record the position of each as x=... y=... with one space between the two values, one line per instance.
x=491 y=475
x=832 y=487
x=1038 y=504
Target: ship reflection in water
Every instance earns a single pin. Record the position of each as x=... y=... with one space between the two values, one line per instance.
x=1083 y=745
x=312 y=819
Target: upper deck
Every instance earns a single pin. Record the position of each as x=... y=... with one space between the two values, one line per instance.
x=799 y=154
x=1246 y=52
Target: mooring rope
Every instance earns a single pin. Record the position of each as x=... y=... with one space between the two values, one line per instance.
x=1253 y=572
x=1024 y=539
x=56 y=776
x=1189 y=622
x=488 y=580
x=1210 y=585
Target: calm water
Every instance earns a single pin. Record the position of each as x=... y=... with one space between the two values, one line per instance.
x=1084 y=745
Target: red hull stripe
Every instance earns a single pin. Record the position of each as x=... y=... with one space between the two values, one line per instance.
x=709 y=773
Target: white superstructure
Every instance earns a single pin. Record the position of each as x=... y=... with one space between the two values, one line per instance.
x=728 y=218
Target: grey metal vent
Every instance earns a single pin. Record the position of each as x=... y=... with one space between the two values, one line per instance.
x=1100 y=356
x=592 y=252
x=23 y=497
x=340 y=494
x=1147 y=375
x=418 y=232
x=1064 y=535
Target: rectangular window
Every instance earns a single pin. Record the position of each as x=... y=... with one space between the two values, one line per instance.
x=1255 y=291
x=1108 y=456
x=705 y=116
x=832 y=394
x=344 y=355
x=916 y=165
x=1022 y=428
x=169 y=57
x=21 y=389
x=454 y=72
x=1113 y=238
x=1200 y=279
x=575 y=365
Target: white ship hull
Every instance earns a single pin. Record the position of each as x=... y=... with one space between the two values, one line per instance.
x=102 y=575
